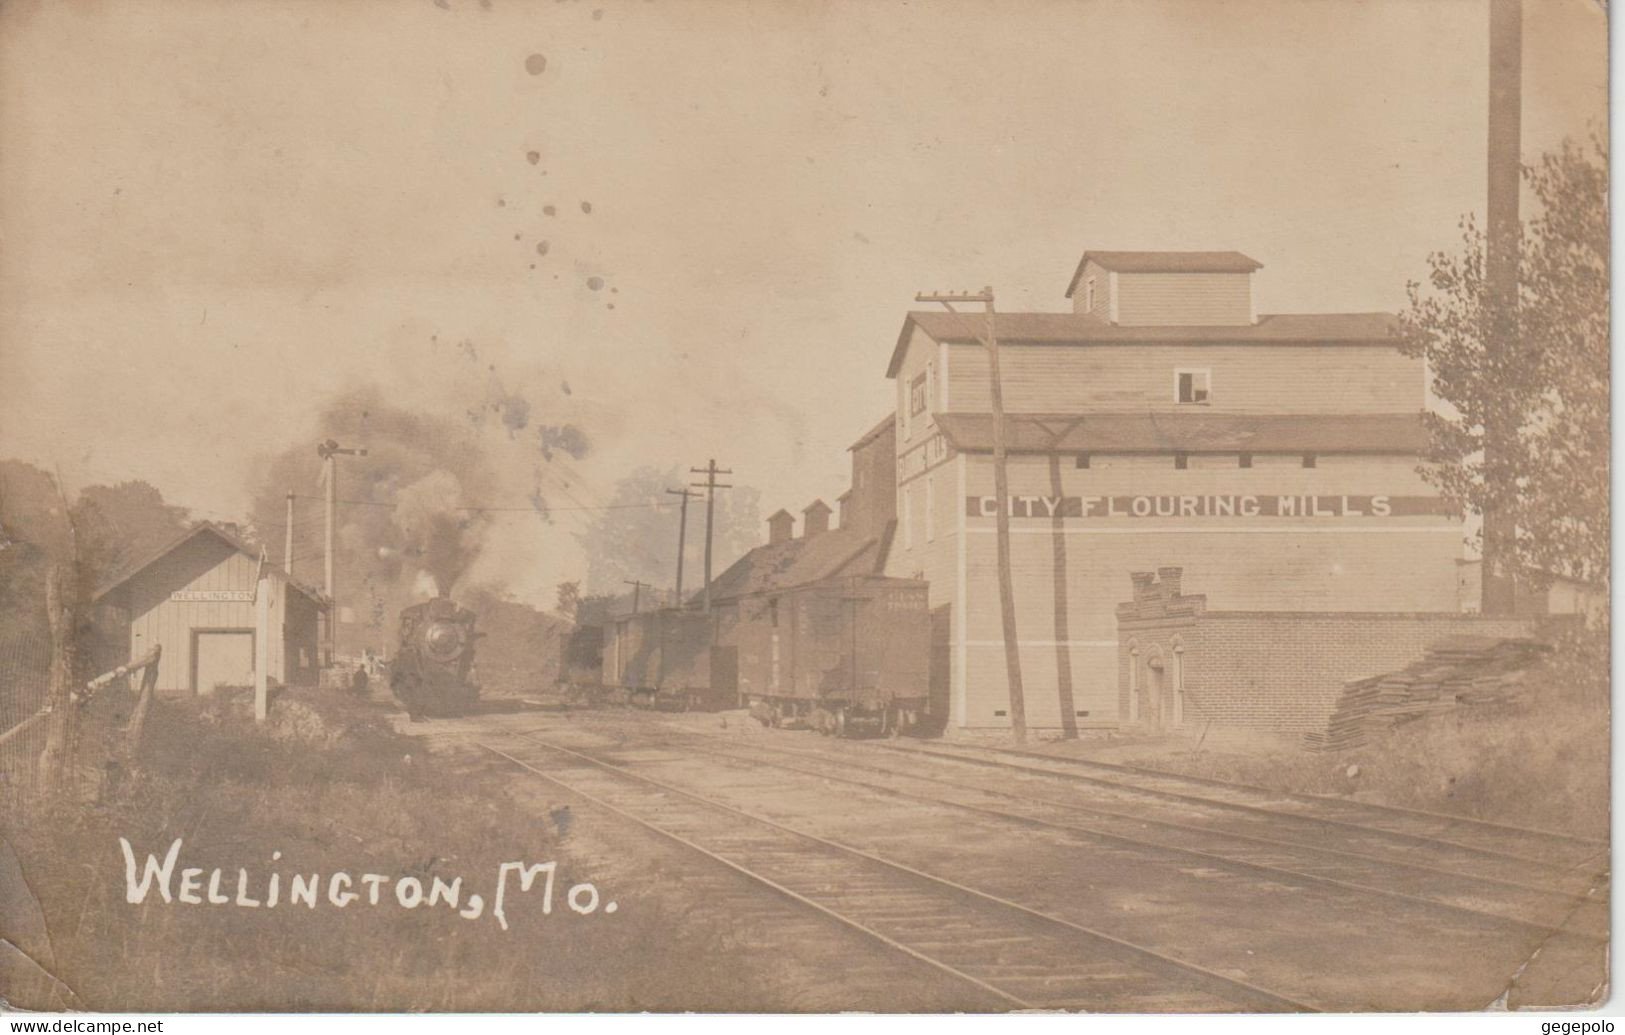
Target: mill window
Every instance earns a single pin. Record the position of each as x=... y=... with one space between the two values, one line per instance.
x=1192 y=386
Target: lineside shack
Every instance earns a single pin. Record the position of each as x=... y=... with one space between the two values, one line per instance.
x=195 y=598
x=1162 y=423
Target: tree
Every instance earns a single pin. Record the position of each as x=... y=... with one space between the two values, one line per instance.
x=1547 y=386
x=635 y=537
x=569 y=598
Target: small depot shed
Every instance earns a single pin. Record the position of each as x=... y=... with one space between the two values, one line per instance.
x=195 y=598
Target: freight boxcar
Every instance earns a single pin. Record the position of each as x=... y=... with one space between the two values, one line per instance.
x=669 y=659
x=844 y=655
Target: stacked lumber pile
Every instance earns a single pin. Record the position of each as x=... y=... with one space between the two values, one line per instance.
x=1456 y=671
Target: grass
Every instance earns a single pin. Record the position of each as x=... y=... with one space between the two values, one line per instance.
x=331 y=787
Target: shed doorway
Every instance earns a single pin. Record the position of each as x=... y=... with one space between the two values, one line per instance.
x=222 y=657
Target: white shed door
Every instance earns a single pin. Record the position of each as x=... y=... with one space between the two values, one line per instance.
x=224 y=658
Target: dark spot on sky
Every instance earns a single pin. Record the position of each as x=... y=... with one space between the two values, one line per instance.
x=548 y=210
x=516 y=237
x=610 y=306
x=598 y=15
x=614 y=291
x=586 y=206
x=515 y=413
x=502 y=203
x=533 y=265
x=442 y=5
x=595 y=282
x=565 y=386
x=533 y=157
x=536 y=64
x=860 y=237
x=541 y=247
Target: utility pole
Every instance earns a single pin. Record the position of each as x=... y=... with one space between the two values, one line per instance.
x=682 y=536
x=328 y=451
x=637 y=591
x=1001 y=497
x=1505 y=169
x=710 y=485
x=287 y=539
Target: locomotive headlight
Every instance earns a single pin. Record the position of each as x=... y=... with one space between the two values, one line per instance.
x=442 y=638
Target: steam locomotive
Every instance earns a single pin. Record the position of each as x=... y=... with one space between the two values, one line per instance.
x=430 y=673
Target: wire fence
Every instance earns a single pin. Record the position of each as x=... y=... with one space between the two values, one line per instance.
x=91 y=744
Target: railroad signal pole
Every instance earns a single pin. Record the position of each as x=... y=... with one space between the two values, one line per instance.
x=710 y=485
x=682 y=536
x=1504 y=163
x=1001 y=497
x=328 y=451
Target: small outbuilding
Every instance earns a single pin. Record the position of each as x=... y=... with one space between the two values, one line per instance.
x=196 y=598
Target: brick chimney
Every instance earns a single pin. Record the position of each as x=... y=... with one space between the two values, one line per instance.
x=1170 y=581
x=1142 y=582
x=815 y=518
x=780 y=527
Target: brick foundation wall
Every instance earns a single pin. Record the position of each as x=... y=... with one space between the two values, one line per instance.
x=1267 y=670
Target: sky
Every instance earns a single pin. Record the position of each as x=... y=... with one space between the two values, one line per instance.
x=216 y=218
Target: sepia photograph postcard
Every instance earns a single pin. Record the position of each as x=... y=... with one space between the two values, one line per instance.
x=805 y=507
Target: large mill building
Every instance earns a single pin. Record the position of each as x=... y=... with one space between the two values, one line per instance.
x=1162 y=423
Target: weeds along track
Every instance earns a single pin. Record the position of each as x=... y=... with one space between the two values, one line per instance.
x=1403 y=884
x=1017 y=956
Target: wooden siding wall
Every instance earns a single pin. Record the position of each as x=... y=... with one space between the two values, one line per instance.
x=208 y=564
x=1103 y=288
x=1183 y=299
x=1134 y=378
x=873 y=501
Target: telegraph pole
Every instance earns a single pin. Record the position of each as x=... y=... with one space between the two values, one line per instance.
x=328 y=451
x=287 y=539
x=710 y=485
x=637 y=590
x=1505 y=169
x=1001 y=497
x=682 y=536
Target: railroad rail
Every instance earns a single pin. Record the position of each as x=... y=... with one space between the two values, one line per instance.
x=1569 y=875
x=1579 y=913
x=1018 y=956
x=1394 y=820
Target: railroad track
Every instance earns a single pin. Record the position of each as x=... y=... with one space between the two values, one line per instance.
x=1018 y=957
x=1473 y=835
x=1579 y=913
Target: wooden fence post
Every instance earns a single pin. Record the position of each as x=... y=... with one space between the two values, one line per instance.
x=143 y=704
x=61 y=586
x=262 y=648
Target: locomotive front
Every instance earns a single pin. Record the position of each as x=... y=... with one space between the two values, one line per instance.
x=430 y=675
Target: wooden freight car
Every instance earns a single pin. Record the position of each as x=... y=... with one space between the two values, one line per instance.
x=843 y=655
x=669 y=659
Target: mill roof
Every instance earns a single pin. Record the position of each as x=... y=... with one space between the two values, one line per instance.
x=796 y=562
x=1084 y=329
x=1165 y=262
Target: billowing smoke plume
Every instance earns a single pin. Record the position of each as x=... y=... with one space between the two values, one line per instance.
x=416 y=512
